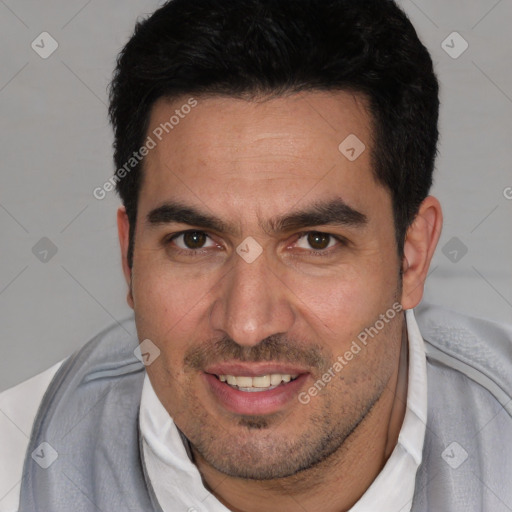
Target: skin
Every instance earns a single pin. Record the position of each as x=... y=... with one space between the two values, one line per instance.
x=246 y=162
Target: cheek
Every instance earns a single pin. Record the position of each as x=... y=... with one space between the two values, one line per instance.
x=342 y=304
x=163 y=293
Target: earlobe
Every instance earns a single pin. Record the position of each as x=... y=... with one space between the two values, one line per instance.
x=419 y=247
x=123 y=230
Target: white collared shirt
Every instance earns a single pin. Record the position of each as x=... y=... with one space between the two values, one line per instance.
x=176 y=480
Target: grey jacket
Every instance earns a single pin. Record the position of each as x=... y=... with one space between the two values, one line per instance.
x=89 y=417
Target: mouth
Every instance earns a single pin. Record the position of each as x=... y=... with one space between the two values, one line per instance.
x=256 y=384
x=263 y=392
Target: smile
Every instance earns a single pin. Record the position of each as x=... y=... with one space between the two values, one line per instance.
x=258 y=383
x=266 y=393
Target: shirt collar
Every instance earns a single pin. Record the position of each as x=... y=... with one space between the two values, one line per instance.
x=393 y=489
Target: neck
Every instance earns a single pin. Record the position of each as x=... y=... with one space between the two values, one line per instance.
x=338 y=482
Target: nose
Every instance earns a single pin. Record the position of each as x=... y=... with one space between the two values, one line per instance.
x=252 y=303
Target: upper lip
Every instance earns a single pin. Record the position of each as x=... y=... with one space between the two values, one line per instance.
x=254 y=369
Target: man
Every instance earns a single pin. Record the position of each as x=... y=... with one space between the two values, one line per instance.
x=274 y=160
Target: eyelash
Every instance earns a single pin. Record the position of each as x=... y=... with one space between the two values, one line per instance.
x=201 y=251
x=323 y=252
x=186 y=252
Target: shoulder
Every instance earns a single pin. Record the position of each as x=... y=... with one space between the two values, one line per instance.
x=107 y=355
x=467 y=455
x=18 y=409
x=475 y=347
x=469 y=379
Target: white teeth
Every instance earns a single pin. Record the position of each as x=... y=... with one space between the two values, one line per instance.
x=275 y=379
x=244 y=382
x=261 y=381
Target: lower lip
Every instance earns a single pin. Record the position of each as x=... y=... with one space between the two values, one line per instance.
x=255 y=402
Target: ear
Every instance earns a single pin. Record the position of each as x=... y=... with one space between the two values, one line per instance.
x=123 y=230
x=420 y=244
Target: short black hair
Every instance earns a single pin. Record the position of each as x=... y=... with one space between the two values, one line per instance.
x=258 y=48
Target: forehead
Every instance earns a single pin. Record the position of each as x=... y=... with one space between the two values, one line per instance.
x=230 y=154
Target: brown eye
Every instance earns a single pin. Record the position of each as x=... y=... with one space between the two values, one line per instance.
x=318 y=241
x=194 y=239
x=191 y=243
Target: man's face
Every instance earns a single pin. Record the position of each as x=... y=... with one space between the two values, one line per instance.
x=262 y=250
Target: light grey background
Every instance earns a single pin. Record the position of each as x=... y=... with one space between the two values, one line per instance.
x=56 y=148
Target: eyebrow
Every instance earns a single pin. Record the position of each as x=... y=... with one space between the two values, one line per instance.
x=334 y=213
x=331 y=213
x=172 y=212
